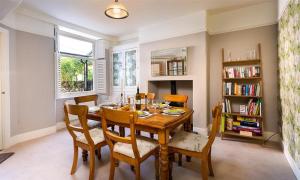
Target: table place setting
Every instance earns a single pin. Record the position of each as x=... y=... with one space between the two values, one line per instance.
x=173 y=112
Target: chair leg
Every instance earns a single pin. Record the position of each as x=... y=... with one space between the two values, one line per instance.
x=112 y=168
x=211 y=172
x=92 y=164
x=75 y=160
x=204 y=169
x=188 y=158
x=84 y=155
x=99 y=153
x=151 y=135
x=137 y=172
x=179 y=159
x=157 y=165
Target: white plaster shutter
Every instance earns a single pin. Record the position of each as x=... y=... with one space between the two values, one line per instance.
x=101 y=76
x=101 y=66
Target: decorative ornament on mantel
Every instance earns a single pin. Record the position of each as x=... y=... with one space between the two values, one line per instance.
x=116 y=10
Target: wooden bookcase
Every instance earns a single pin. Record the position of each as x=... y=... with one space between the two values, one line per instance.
x=243 y=99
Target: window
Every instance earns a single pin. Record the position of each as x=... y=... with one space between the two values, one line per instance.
x=75 y=66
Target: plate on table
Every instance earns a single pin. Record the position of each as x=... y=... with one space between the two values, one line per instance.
x=109 y=105
x=143 y=113
x=163 y=105
x=173 y=111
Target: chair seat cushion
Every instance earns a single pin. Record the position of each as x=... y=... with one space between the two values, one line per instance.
x=90 y=123
x=96 y=135
x=188 y=141
x=144 y=144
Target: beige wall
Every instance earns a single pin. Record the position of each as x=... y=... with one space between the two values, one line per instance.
x=197 y=70
x=31 y=82
x=238 y=43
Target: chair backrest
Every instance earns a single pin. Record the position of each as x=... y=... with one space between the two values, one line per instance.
x=80 y=111
x=124 y=118
x=176 y=98
x=90 y=100
x=216 y=114
x=149 y=95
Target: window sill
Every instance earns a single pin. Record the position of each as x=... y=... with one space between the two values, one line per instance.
x=74 y=94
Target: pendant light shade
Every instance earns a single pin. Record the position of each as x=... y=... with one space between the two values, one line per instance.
x=116 y=10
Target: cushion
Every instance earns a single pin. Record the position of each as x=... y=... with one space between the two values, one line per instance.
x=188 y=141
x=96 y=135
x=90 y=123
x=144 y=144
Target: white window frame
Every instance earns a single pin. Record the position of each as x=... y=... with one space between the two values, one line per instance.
x=58 y=94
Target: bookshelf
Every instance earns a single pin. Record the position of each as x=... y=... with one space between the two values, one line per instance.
x=242 y=93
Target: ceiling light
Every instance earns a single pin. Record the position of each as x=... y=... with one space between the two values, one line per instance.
x=116 y=10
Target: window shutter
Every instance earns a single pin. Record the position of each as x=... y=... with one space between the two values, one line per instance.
x=57 y=62
x=101 y=76
x=58 y=79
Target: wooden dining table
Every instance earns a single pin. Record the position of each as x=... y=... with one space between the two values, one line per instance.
x=159 y=124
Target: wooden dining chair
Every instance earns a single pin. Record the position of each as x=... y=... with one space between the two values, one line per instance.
x=150 y=96
x=132 y=149
x=90 y=101
x=196 y=145
x=83 y=137
x=179 y=101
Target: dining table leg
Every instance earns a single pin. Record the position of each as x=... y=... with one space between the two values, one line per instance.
x=163 y=139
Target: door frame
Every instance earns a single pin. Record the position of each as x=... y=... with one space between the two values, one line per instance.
x=5 y=85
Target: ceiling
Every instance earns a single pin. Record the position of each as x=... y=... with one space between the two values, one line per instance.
x=90 y=13
x=7 y=6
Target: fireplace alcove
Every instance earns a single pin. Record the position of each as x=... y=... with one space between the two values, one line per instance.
x=163 y=87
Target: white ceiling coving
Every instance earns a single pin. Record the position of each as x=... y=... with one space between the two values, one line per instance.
x=90 y=13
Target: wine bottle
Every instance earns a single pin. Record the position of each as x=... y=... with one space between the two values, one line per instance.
x=138 y=103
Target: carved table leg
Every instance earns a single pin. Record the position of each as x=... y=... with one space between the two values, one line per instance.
x=163 y=138
x=84 y=155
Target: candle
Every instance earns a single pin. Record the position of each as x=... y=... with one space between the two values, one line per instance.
x=122 y=86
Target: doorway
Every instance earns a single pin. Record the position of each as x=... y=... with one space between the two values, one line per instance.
x=4 y=89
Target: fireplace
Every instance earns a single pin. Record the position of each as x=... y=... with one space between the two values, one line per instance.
x=184 y=87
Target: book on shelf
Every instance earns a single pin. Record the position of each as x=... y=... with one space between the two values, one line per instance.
x=242 y=72
x=254 y=107
x=226 y=106
x=237 y=89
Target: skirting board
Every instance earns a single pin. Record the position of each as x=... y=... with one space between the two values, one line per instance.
x=291 y=161
x=30 y=135
x=60 y=125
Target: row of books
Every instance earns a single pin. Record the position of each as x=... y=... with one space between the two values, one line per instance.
x=251 y=126
x=242 y=89
x=242 y=72
x=255 y=131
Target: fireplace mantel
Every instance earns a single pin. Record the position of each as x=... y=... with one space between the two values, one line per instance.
x=171 y=78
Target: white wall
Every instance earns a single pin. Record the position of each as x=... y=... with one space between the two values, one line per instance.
x=243 y=18
x=197 y=70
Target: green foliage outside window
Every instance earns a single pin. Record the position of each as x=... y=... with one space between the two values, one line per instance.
x=72 y=74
